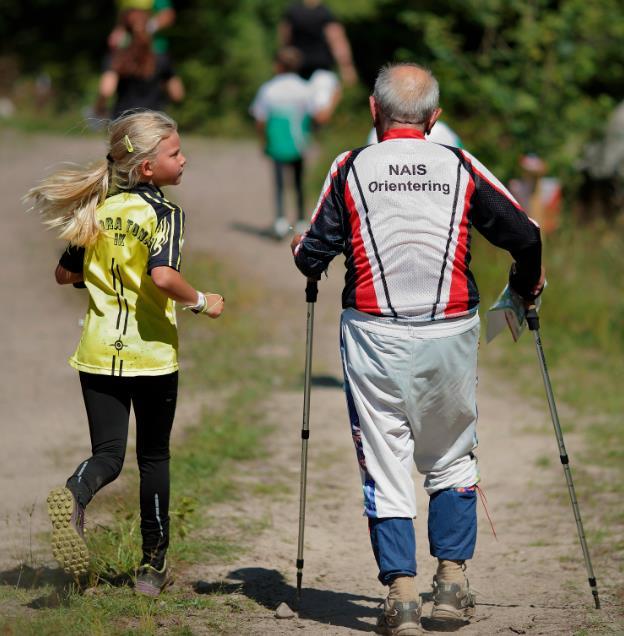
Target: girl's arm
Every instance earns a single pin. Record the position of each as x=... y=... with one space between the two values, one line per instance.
x=172 y=284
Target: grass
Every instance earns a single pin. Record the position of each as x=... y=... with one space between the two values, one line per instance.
x=223 y=366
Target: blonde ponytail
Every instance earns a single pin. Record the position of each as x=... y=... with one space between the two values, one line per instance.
x=68 y=199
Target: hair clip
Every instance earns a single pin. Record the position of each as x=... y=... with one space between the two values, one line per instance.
x=129 y=146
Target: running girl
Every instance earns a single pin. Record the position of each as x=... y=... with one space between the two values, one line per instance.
x=125 y=240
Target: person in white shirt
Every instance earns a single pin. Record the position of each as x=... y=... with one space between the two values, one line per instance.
x=283 y=109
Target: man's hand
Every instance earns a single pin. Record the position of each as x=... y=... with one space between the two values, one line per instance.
x=536 y=291
x=296 y=239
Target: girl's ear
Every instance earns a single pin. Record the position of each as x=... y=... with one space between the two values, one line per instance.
x=147 y=170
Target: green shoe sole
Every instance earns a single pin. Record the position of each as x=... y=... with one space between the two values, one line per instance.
x=68 y=546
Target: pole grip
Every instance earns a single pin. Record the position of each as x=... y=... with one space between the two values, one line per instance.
x=532 y=318
x=311 y=290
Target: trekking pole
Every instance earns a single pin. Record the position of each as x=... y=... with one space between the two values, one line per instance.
x=533 y=324
x=311 y=296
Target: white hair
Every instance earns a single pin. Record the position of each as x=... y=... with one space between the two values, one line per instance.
x=406 y=98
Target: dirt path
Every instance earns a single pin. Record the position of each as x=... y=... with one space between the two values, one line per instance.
x=530 y=580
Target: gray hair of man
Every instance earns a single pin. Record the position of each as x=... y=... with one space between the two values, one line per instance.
x=406 y=98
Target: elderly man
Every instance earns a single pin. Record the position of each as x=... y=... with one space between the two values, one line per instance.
x=402 y=212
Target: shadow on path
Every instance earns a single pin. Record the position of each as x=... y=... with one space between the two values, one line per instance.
x=326 y=381
x=268 y=588
x=262 y=232
x=25 y=577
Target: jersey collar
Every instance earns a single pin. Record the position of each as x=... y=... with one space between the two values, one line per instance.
x=148 y=186
x=403 y=133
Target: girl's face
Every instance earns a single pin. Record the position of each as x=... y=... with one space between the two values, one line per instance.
x=168 y=165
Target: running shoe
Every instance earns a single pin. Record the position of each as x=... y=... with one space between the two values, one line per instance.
x=281 y=228
x=399 y=618
x=150 y=581
x=68 y=545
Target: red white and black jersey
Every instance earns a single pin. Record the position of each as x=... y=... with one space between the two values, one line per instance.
x=402 y=212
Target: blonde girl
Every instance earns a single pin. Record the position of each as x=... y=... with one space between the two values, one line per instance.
x=125 y=241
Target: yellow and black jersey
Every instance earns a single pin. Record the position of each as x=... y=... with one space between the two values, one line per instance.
x=130 y=327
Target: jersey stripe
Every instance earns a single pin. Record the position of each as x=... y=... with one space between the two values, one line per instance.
x=459 y=295
x=365 y=295
x=330 y=186
x=171 y=237
x=374 y=244
x=448 y=242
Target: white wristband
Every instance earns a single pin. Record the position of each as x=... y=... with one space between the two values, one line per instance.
x=200 y=304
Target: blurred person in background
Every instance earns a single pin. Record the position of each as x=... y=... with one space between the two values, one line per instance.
x=283 y=109
x=311 y=27
x=139 y=72
x=538 y=194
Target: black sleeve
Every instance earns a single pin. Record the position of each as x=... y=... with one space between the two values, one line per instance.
x=327 y=236
x=289 y=14
x=327 y=16
x=166 y=246
x=72 y=259
x=501 y=220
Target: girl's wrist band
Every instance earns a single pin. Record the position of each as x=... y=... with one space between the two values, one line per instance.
x=199 y=305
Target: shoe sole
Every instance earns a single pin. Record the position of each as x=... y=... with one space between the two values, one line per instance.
x=409 y=629
x=451 y=616
x=146 y=589
x=68 y=546
x=149 y=589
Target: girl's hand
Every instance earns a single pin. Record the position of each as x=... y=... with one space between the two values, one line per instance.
x=214 y=305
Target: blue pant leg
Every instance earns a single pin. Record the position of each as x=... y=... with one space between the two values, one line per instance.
x=453 y=523
x=394 y=545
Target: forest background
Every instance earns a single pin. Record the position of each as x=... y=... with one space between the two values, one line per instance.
x=516 y=76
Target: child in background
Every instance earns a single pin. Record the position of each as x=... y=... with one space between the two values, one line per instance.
x=283 y=109
x=125 y=241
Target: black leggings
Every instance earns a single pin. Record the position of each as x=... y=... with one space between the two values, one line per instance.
x=297 y=169
x=108 y=400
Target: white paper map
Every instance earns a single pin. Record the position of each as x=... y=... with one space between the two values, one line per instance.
x=507 y=311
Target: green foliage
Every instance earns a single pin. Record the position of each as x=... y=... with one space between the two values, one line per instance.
x=515 y=76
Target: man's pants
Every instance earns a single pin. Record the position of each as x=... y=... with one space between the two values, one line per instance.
x=411 y=399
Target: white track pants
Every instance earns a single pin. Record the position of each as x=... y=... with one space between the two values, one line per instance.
x=411 y=398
